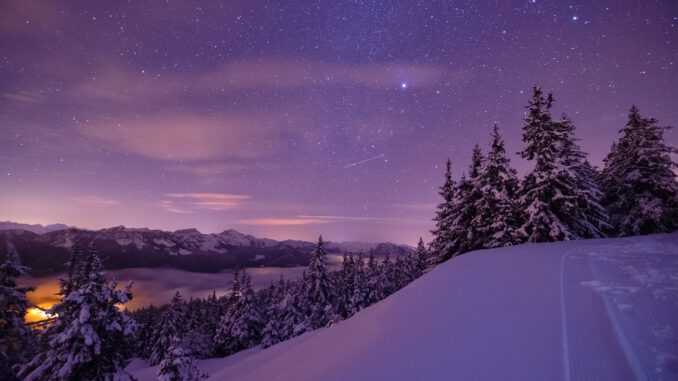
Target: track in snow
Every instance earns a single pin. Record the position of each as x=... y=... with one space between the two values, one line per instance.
x=621 y=317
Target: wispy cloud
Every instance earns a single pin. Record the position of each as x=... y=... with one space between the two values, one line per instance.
x=185 y=137
x=209 y=201
x=282 y=221
x=118 y=84
x=97 y=201
x=169 y=206
x=211 y=196
x=24 y=96
x=324 y=219
x=379 y=220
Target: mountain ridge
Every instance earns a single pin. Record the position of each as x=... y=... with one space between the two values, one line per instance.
x=186 y=249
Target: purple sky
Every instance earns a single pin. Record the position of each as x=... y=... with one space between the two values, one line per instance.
x=292 y=118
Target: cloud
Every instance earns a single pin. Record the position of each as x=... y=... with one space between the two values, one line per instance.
x=97 y=201
x=324 y=219
x=379 y=220
x=207 y=169
x=24 y=96
x=346 y=218
x=282 y=221
x=211 y=196
x=186 y=137
x=169 y=206
x=209 y=201
x=119 y=84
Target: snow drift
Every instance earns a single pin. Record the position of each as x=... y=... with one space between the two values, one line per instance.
x=602 y=309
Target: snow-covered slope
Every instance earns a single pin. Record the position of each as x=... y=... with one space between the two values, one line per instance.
x=586 y=310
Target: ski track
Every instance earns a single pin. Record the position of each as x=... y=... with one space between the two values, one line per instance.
x=638 y=286
x=591 y=346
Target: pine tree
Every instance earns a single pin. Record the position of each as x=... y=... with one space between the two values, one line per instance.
x=385 y=280
x=559 y=196
x=14 y=335
x=345 y=285
x=496 y=220
x=373 y=275
x=401 y=273
x=241 y=326
x=72 y=281
x=443 y=218
x=641 y=192
x=178 y=365
x=319 y=293
x=172 y=324
x=147 y=320
x=272 y=331
x=420 y=259
x=90 y=339
x=359 y=297
x=197 y=340
x=285 y=315
x=464 y=235
x=590 y=219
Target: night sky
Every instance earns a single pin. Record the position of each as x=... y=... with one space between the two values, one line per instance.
x=292 y=118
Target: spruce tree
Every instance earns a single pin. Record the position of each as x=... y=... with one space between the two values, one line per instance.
x=272 y=331
x=147 y=319
x=465 y=229
x=641 y=192
x=443 y=218
x=359 y=297
x=179 y=365
x=559 y=197
x=345 y=285
x=14 y=335
x=421 y=259
x=497 y=219
x=285 y=315
x=241 y=326
x=319 y=292
x=172 y=324
x=373 y=275
x=90 y=338
x=73 y=267
x=385 y=279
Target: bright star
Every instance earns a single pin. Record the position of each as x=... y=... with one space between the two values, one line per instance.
x=403 y=85
x=575 y=18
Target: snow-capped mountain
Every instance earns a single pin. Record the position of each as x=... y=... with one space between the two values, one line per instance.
x=35 y=228
x=187 y=249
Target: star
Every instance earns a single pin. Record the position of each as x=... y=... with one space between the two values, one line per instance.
x=403 y=85
x=575 y=18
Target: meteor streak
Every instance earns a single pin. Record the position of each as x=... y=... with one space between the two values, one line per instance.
x=363 y=161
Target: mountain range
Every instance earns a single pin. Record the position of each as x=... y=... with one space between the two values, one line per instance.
x=46 y=249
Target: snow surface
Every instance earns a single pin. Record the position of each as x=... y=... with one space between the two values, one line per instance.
x=602 y=309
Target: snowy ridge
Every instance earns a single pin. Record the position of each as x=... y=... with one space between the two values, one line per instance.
x=580 y=310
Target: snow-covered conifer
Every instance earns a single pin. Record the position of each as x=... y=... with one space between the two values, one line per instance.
x=90 y=338
x=559 y=197
x=444 y=217
x=14 y=335
x=639 y=182
x=497 y=219
x=319 y=293
x=172 y=324
x=421 y=259
x=240 y=328
x=179 y=365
